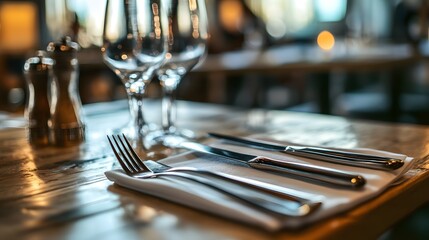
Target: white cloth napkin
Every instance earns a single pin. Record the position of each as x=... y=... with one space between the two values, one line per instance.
x=334 y=200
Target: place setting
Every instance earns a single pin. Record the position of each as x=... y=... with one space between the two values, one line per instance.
x=318 y=198
x=266 y=184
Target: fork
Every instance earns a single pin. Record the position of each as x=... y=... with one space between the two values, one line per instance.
x=258 y=194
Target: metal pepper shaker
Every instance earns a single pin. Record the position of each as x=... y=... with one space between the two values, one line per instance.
x=38 y=74
x=66 y=107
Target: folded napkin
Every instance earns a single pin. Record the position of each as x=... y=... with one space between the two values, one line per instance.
x=334 y=200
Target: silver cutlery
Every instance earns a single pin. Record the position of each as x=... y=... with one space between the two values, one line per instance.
x=323 y=154
x=262 y=195
x=316 y=174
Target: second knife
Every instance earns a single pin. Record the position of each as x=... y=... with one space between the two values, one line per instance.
x=323 y=154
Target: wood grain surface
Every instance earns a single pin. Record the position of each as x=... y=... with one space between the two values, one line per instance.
x=62 y=193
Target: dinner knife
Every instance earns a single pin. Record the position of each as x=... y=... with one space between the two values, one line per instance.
x=313 y=173
x=324 y=154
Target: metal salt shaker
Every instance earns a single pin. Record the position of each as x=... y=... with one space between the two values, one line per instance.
x=38 y=74
x=66 y=107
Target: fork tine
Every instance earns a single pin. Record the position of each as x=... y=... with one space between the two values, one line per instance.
x=124 y=158
x=136 y=158
x=120 y=160
x=132 y=156
x=125 y=154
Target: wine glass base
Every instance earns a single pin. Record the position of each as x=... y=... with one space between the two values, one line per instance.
x=132 y=131
x=135 y=135
x=168 y=139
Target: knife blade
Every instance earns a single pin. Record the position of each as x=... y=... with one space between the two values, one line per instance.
x=323 y=154
x=313 y=173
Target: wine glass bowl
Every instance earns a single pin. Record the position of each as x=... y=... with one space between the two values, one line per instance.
x=187 y=43
x=134 y=47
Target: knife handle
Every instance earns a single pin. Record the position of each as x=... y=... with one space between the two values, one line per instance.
x=349 y=158
x=315 y=173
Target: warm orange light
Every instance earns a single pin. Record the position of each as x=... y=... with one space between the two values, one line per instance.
x=231 y=15
x=325 y=40
x=19 y=25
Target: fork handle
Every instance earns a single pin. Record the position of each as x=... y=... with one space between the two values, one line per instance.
x=247 y=182
x=254 y=197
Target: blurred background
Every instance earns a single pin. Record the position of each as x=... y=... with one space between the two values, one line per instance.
x=355 y=58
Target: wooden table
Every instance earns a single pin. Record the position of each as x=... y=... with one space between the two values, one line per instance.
x=62 y=193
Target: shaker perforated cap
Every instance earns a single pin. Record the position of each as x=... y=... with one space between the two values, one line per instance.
x=64 y=45
x=39 y=63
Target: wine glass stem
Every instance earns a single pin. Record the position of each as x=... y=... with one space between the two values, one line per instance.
x=168 y=109
x=135 y=100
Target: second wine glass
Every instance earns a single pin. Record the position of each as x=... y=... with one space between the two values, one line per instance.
x=187 y=40
x=134 y=48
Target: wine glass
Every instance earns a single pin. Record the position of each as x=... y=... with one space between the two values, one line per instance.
x=187 y=40
x=134 y=47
